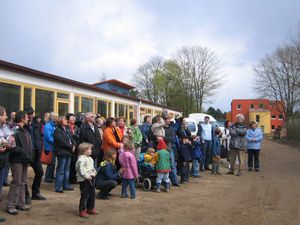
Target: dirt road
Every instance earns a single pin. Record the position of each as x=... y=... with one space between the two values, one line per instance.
x=271 y=196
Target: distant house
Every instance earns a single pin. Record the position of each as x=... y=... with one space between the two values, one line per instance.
x=268 y=114
x=115 y=85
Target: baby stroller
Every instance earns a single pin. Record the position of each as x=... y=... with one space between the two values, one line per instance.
x=147 y=174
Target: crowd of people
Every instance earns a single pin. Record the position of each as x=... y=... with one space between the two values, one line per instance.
x=100 y=153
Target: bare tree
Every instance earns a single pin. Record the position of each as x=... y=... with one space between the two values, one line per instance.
x=144 y=78
x=200 y=74
x=277 y=77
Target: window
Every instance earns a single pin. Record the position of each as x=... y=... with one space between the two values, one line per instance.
x=44 y=101
x=261 y=106
x=273 y=127
x=87 y=104
x=239 y=106
x=62 y=95
x=10 y=97
x=280 y=117
x=76 y=104
x=257 y=118
x=252 y=106
x=27 y=98
x=273 y=117
x=103 y=108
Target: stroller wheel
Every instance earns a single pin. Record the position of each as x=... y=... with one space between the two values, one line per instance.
x=147 y=184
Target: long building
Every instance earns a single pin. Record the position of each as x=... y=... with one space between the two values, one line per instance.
x=21 y=87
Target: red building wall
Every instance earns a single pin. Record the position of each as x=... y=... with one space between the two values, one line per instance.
x=243 y=106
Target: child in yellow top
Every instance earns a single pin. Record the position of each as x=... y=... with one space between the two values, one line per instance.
x=149 y=157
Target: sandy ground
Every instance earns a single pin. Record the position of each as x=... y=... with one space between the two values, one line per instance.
x=271 y=196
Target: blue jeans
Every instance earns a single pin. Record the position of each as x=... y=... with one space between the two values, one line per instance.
x=5 y=176
x=62 y=173
x=195 y=168
x=49 y=174
x=125 y=183
x=173 y=173
x=206 y=153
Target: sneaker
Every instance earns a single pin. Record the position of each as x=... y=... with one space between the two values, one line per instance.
x=23 y=208
x=83 y=214
x=2 y=219
x=176 y=185
x=133 y=197
x=28 y=201
x=69 y=188
x=38 y=197
x=103 y=197
x=250 y=169
x=257 y=169
x=239 y=174
x=157 y=190
x=92 y=212
x=12 y=211
x=124 y=196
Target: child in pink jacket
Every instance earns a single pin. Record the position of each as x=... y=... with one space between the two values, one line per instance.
x=130 y=172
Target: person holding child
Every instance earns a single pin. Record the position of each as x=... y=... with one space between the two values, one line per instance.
x=216 y=152
x=163 y=166
x=86 y=174
x=108 y=177
x=128 y=163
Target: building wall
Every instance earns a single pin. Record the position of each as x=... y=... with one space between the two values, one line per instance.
x=73 y=98
x=263 y=120
x=248 y=107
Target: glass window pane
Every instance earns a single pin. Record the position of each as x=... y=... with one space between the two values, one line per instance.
x=44 y=101
x=121 y=110
x=116 y=110
x=109 y=110
x=63 y=108
x=76 y=104
x=27 y=97
x=62 y=95
x=86 y=104
x=10 y=97
x=102 y=108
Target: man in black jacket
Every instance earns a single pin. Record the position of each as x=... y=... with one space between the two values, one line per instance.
x=89 y=133
x=34 y=128
x=19 y=159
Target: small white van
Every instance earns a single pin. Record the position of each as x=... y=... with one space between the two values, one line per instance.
x=199 y=118
x=192 y=125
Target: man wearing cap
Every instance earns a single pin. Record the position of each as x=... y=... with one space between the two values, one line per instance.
x=34 y=128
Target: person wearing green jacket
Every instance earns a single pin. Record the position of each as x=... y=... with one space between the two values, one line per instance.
x=163 y=166
x=137 y=137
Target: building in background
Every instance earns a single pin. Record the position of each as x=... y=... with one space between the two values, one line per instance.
x=21 y=87
x=268 y=114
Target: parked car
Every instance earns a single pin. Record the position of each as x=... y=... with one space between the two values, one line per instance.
x=192 y=126
x=199 y=118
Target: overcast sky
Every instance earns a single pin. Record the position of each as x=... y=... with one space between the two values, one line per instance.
x=82 y=40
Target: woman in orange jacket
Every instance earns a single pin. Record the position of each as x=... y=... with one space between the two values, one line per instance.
x=112 y=137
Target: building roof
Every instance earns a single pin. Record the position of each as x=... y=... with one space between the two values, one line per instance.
x=39 y=74
x=116 y=82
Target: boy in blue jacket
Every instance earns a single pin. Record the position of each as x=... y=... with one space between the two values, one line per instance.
x=216 y=153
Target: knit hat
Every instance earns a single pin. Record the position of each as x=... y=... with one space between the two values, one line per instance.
x=161 y=144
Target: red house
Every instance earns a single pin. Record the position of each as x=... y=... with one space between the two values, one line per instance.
x=268 y=114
